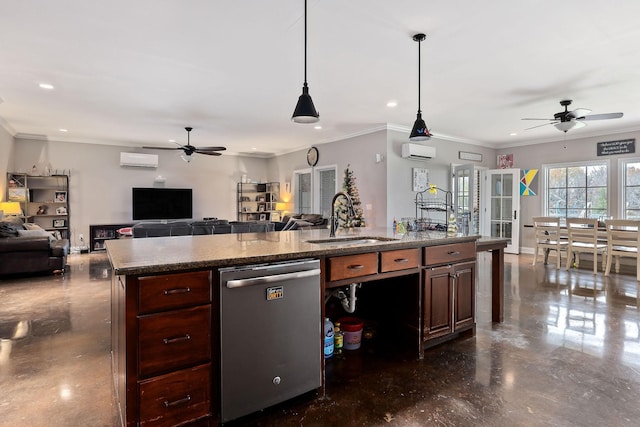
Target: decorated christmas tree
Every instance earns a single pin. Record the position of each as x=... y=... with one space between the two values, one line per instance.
x=342 y=211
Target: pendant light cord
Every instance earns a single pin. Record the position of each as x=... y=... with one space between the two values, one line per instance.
x=419 y=73
x=305 y=42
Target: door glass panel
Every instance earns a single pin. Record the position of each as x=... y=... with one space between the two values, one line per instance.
x=495 y=209
x=496 y=185
x=507 y=185
x=506 y=209
x=303 y=193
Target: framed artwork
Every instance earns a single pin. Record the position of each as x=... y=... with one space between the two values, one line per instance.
x=61 y=210
x=263 y=217
x=261 y=208
x=60 y=197
x=505 y=161
x=17 y=194
x=465 y=155
x=56 y=235
x=59 y=223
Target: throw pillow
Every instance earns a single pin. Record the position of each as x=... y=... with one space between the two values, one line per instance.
x=9 y=229
x=36 y=233
x=31 y=226
x=315 y=219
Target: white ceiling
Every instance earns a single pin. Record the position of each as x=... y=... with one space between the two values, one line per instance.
x=137 y=72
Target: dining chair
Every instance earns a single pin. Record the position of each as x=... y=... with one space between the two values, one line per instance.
x=547 y=236
x=583 y=238
x=623 y=240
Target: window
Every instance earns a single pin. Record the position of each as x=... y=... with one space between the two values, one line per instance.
x=630 y=195
x=302 y=192
x=576 y=190
x=326 y=179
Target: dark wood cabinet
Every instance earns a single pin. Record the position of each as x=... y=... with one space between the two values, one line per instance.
x=448 y=290
x=162 y=359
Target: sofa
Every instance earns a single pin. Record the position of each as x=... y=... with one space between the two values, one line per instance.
x=222 y=226
x=30 y=251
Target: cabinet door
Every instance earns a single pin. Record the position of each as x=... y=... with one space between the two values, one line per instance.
x=464 y=288
x=438 y=293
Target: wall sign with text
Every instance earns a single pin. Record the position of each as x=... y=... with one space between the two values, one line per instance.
x=623 y=146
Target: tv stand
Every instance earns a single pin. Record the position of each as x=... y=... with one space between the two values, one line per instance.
x=98 y=234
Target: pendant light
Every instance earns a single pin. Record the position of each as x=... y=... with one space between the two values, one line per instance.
x=419 y=132
x=305 y=112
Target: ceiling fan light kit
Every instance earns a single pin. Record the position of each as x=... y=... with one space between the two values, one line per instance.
x=567 y=120
x=419 y=132
x=305 y=111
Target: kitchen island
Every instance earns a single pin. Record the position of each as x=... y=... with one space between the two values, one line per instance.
x=166 y=303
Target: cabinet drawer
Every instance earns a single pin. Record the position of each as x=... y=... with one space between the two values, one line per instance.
x=175 y=398
x=348 y=266
x=168 y=291
x=174 y=339
x=445 y=254
x=399 y=260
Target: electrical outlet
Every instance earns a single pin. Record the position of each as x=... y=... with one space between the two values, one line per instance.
x=81 y=237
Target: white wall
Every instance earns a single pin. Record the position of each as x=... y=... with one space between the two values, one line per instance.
x=357 y=152
x=100 y=189
x=6 y=159
x=401 y=197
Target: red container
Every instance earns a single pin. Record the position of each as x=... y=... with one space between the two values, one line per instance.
x=352 y=328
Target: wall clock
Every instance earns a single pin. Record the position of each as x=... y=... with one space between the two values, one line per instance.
x=312 y=156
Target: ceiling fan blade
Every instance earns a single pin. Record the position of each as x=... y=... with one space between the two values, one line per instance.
x=604 y=116
x=528 y=118
x=578 y=112
x=208 y=153
x=544 y=124
x=163 y=148
x=212 y=148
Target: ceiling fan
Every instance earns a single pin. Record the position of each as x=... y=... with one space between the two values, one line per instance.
x=567 y=120
x=190 y=149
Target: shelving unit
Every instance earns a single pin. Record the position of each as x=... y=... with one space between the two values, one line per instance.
x=44 y=200
x=433 y=209
x=257 y=201
x=98 y=234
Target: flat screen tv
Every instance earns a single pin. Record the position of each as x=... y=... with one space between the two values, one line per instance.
x=162 y=203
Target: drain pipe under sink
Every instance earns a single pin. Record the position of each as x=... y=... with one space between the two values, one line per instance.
x=348 y=302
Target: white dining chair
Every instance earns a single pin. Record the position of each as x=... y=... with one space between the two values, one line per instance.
x=583 y=238
x=623 y=240
x=547 y=238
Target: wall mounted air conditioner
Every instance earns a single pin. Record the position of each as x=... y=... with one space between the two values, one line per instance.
x=139 y=160
x=418 y=152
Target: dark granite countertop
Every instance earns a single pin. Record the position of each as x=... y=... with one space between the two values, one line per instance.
x=171 y=254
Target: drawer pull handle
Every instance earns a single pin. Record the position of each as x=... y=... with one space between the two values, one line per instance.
x=356 y=267
x=186 y=337
x=401 y=260
x=454 y=253
x=177 y=291
x=182 y=401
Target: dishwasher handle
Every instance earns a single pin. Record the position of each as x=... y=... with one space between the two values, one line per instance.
x=252 y=281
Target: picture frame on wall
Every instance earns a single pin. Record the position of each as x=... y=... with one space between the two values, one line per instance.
x=59 y=223
x=60 y=197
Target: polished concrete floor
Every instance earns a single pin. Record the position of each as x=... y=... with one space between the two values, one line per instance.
x=568 y=354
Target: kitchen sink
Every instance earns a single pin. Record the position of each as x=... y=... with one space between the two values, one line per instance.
x=351 y=241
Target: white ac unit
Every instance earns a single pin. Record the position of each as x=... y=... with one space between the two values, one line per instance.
x=418 y=152
x=139 y=160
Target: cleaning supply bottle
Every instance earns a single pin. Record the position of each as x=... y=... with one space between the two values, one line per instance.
x=328 y=338
x=338 y=339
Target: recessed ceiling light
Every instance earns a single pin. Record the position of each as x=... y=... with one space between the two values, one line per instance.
x=63 y=130
x=317 y=127
x=513 y=134
x=46 y=86
x=392 y=104
x=172 y=140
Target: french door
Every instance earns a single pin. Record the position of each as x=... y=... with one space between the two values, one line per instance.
x=502 y=206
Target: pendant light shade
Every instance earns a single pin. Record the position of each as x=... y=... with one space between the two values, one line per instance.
x=305 y=111
x=419 y=132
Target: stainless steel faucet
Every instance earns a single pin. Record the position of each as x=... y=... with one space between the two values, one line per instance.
x=351 y=211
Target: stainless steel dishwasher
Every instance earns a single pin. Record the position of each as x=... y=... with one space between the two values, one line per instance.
x=270 y=339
